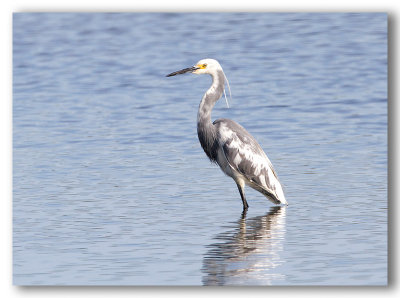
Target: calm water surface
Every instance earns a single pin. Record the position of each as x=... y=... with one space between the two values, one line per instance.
x=111 y=186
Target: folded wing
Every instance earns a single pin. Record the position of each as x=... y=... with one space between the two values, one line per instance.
x=246 y=157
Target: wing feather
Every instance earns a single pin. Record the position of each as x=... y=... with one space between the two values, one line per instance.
x=245 y=155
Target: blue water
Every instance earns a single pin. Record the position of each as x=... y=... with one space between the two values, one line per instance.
x=111 y=186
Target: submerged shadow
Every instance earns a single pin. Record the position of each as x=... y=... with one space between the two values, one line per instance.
x=248 y=253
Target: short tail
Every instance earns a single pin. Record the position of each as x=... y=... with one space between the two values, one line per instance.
x=273 y=192
x=281 y=196
x=277 y=198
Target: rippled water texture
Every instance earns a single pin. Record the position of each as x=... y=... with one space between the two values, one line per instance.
x=111 y=186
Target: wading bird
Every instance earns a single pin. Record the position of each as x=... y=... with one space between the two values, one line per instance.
x=229 y=145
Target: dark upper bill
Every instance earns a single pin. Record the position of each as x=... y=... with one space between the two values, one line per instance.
x=185 y=70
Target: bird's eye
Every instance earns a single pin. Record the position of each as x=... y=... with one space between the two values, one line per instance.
x=204 y=65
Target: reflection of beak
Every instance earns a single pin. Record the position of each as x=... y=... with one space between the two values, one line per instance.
x=185 y=70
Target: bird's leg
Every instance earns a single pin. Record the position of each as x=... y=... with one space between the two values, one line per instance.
x=241 y=191
x=244 y=212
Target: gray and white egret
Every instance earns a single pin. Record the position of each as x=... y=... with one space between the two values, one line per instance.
x=229 y=145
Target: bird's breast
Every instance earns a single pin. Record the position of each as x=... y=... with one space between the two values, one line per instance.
x=207 y=140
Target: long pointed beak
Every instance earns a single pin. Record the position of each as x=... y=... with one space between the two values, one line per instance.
x=185 y=70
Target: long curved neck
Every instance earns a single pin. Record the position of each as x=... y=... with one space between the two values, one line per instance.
x=205 y=127
x=211 y=97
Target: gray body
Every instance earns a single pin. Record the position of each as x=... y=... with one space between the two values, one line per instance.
x=230 y=146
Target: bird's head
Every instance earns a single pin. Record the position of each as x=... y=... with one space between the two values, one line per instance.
x=204 y=66
x=207 y=66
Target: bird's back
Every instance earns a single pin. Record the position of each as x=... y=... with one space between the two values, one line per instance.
x=241 y=157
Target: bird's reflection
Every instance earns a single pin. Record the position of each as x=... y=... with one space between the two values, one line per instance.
x=249 y=254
